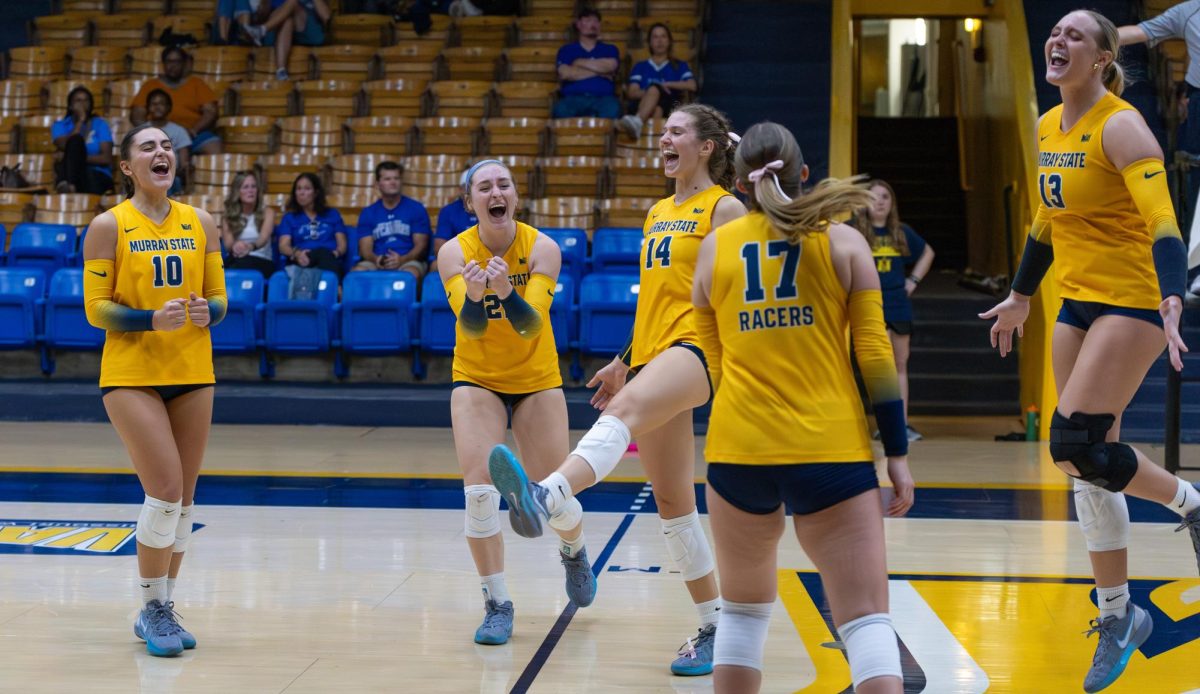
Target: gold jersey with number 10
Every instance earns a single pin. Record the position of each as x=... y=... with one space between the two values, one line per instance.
x=153 y=264
x=671 y=244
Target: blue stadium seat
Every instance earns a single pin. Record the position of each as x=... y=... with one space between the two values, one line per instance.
x=293 y=326
x=66 y=323
x=607 y=304
x=378 y=312
x=22 y=293
x=563 y=314
x=76 y=257
x=3 y=244
x=617 y=249
x=573 y=245
x=45 y=246
x=437 y=318
x=241 y=330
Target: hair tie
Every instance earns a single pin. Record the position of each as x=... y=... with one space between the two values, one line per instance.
x=734 y=140
x=770 y=167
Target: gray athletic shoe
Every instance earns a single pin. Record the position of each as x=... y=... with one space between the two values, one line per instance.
x=696 y=656
x=185 y=636
x=581 y=582
x=156 y=626
x=1119 y=638
x=497 y=624
x=1192 y=522
x=526 y=499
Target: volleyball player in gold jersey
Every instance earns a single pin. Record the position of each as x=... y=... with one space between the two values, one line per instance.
x=153 y=281
x=655 y=408
x=777 y=294
x=500 y=277
x=1107 y=225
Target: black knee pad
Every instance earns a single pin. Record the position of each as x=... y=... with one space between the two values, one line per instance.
x=1079 y=440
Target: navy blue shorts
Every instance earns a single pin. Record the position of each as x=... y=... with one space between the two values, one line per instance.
x=694 y=349
x=1081 y=314
x=510 y=400
x=805 y=488
x=167 y=393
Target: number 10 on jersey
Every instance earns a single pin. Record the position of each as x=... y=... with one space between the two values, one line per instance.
x=168 y=270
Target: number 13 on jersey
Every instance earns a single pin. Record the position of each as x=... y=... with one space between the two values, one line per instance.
x=1050 y=186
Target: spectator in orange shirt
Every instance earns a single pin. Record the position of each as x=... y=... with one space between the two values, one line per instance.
x=194 y=104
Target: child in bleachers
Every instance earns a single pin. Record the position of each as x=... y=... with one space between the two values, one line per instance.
x=84 y=144
x=311 y=233
x=247 y=226
x=657 y=84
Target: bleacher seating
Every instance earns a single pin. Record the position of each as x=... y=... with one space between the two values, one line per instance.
x=617 y=249
x=607 y=304
x=66 y=323
x=241 y=329
x=299 y=326
x=22 y=293
x=46 y=247
x=437 y=318
x=378 y=312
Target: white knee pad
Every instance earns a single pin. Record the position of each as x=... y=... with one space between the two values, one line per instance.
x=157 y=522
x=871 y=648
x=742 y=634
x=688 y=546
x=569 y=515
x=603 y=445
x=183 y=531
x=483 y=510
x=1103 y=517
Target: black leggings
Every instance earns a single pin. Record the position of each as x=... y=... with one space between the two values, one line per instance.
x=324 y=259
x=250 y=262
x=75 y=169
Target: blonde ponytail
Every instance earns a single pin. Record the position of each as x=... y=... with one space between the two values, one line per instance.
x=1109 y=39
x=768 y=162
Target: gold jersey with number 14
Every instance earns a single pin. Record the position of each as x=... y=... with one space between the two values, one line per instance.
x=671 y=244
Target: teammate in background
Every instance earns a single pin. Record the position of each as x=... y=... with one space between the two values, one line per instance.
x=153 y=281
x=1107 y=224
x=777 y=294
x=672 y=376
x=896 y=248
x=500 y=278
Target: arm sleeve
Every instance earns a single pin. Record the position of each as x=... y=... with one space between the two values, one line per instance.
x=1037 y=256
x=873 y=352
x=98 y=278
x=710 y=341
x=471 y=314
x=525 y=314
x=214 y=287
x=1147 y=183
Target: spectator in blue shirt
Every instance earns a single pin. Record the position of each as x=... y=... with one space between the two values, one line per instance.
x=453 y=219
x=84 y=144
x=658 y=84
x=587 y=69
x=393 y=233
x=311 y=234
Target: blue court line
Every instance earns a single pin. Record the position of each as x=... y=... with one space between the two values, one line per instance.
x=560 y=626
x=446 y=493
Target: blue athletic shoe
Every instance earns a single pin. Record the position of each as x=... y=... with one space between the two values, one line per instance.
x=581 y=582
x=497 y=624
x=526 y=505
x=185 y=636
x=696 y=656
x=157 y=628
x=1119 y=638
x=1192 y=522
